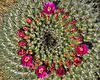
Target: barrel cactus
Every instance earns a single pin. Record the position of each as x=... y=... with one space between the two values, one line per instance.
x=50 y=40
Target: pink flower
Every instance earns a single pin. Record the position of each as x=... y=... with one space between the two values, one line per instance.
x=60 y=71
x=29 y=19
x=77 y=60
x=22 y=43
x=48 y=7
x=81 y=49
x=20 y=33
x=26 y=60
x=78 y=38
x=21 y=51
x=73 y=21
x=41 y=71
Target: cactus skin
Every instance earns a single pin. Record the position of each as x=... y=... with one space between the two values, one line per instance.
x=16 y=18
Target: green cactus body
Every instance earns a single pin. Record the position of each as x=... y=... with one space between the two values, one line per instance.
x=52 y=39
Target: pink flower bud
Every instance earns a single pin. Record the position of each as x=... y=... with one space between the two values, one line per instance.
x=22 y=43
x=20 y=33
x=52 y=67
x=40 y=14
x=77 y=61
x=78 y=38
x=60 y=71
x=21 y=51
x=73 y=29
x=29 y=19
x=73 y=21
x=31 y=66
x=27 y=37
x=72 y=53
x=60 y=10
x=68 y=63
x=55 y=15
x=25 y=28
x=65 y=15
x=66 y=23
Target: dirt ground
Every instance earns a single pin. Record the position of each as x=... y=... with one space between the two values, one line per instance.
x=4 y=7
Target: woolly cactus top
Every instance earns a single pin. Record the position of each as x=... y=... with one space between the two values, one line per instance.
x=49 y=41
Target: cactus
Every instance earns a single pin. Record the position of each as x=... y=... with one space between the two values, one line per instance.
x=51 y=40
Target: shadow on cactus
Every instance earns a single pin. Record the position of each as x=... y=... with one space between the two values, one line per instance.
x=50 y=41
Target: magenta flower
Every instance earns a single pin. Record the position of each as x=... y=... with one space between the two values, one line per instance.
x=77 y=61
x=21 y=51
x=48 y=7
x=20 y=33
x=41 y=71
x=60 y=71
x=26 y=60
x=81 y=49
x=22 y=43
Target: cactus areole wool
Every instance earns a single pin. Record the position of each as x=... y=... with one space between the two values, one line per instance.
x=51 y=42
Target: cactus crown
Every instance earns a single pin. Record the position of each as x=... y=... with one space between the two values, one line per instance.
x=52 y=43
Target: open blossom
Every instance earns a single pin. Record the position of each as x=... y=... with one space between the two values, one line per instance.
x=22 y=43
x=41 y=71
x=26 y=60
x=21 y=51
x=60 y=71
x=20 y=33
x=77 y=60
x=81 y=49
x=48 y=7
